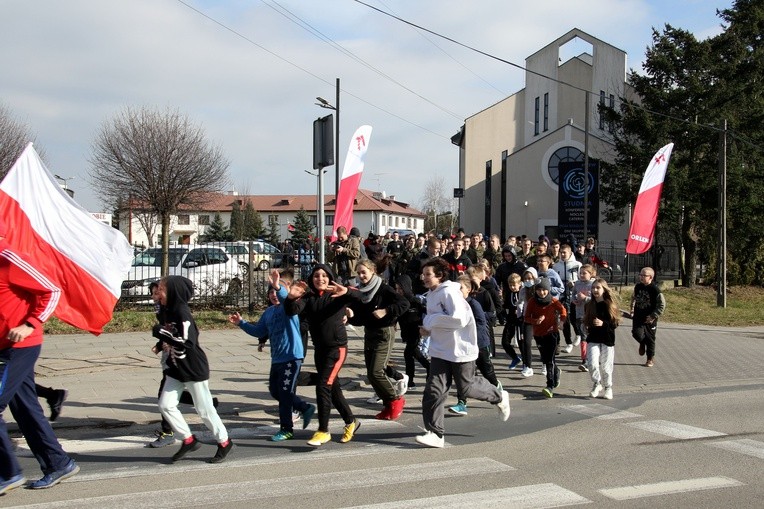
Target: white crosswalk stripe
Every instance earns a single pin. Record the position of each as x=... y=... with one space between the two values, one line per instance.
x=600 y=411
x=220 y=494
x=534 y=496
x=674 y=429
x=669 y=487
x=744 y=446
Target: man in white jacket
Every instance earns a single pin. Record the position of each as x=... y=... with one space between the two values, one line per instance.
x=453 y=349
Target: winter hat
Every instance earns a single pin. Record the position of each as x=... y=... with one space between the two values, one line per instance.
x=533 y=272
x=355 y=232
x=544 y=284
x=509 y=249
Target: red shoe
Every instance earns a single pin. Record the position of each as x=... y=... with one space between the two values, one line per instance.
x=386 y=413
x=396 y=408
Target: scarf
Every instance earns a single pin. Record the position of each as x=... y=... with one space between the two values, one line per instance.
x=370 y=289
x=545 y=301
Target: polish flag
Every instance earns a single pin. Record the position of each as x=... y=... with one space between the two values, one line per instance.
x=646 y=210
x=351 y=178
x=84 y=257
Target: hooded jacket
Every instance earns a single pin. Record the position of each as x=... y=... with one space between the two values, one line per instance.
x=187 y=361
x=384 y=298
x=453 y=333
x=324 y=312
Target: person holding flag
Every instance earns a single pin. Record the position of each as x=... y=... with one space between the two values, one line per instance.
x=27 y=299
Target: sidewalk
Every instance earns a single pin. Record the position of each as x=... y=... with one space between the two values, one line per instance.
x=113 y=379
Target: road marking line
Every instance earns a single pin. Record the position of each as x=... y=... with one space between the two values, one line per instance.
x=600 y=411
x=219 y=494
x=675 y=430
x=744 y=446
x=669 y=487
x=521 y=497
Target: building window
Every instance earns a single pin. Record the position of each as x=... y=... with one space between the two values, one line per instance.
x=184 y=219
x=612 y=107
x=408 y=222
x=397 y=221
x=273 y=219
x=546 y=112
x=204 y=220
x=536 y=118
x=562 y=155
x=416 y=223
x=602 y=106
x=329 y=220
x=384 y=219
x=312 y=220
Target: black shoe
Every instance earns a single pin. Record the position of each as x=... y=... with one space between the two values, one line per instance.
x=222 y=452
x=186 y=448
x=215 y=402
x=56 y=401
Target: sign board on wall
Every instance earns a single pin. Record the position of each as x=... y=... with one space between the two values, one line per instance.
x=570 y=200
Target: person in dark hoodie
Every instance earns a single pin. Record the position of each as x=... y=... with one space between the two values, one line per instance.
x=323 y=302
x=187 y=369
x=510 y=265
x=379 y=308
x=409 y=323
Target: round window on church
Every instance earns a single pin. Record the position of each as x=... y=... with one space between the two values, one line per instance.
x=562 y=155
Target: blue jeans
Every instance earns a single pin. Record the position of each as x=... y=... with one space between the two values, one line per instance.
x=282 y=384
x=17 y=391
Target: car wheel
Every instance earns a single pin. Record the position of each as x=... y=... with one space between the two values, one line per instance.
x=264 y=265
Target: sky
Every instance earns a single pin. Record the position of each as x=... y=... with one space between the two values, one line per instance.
x=248 y=73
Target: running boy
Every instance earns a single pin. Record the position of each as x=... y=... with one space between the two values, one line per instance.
x=286 y=356
x=647 y=304
x=543 y=311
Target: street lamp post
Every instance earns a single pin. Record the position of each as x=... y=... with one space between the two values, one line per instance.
x=320 y=212
x=65 y=187
x=323 y=103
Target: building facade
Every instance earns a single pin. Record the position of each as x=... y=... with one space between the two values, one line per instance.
x=519 y=154
x=372 y=212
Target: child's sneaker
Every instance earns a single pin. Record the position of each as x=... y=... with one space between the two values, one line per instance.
x=548 y=392
x=163 y=439
x=374 y=400
x=402 y=385
x=222 y=452
x=582 y=367
x=514 y=363
x=527 y=372
x=282 y=435
x=596 y=389
x=319 y=438
x=186 y=448
x=503 y=406
x=349 y=431
x=577 y=341
x=431 y=439
x=608 y=393
x=459 y=409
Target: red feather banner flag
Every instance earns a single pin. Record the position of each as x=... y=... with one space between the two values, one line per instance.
x=645 y=216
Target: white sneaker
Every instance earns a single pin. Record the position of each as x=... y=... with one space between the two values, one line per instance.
x=526 y=372
x=503 y=406
x=374 y=400
x=596 y=389
x=567 y=348
x=577 y=341
x=402 y=385
x=543 y=370
x=430 y=439
x=608 y=393
x=296 y=416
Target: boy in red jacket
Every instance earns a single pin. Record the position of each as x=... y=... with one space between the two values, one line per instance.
x=545 y=312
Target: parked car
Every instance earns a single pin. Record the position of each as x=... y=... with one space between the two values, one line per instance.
x=212 y=271
x=267 y=255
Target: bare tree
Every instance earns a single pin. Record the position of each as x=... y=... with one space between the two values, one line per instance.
x=14 y=137
x=159 y=159
x=435 y=201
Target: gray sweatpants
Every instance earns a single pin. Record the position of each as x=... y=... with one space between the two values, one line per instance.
x=467 y=384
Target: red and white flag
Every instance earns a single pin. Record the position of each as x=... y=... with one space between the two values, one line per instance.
x=84 y=257
x=645 y=216
x=351 y=179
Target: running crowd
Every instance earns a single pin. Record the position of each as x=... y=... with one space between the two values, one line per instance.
x=444 y=295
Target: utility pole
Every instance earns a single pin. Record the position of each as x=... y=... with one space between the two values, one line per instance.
x=721 y=294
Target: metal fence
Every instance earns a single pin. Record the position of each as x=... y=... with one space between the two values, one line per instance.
x=666 y=262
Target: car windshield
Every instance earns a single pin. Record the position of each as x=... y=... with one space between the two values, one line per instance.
x=153 y=257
